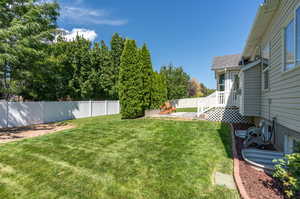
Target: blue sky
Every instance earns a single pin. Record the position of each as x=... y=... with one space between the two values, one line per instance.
x=186 y=33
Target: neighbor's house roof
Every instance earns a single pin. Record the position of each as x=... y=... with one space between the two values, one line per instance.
x=262 y=20
x=227 y=61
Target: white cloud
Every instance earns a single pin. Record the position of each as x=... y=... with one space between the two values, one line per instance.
x=90 y=16
x=85 y=33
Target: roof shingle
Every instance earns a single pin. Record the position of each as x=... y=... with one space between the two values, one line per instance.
x=227 y=61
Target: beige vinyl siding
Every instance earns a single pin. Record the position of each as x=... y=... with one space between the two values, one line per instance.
x=252 y=91
x=283 y=98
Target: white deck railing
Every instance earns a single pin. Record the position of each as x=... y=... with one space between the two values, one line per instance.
x=227 y=98
x=218 y=99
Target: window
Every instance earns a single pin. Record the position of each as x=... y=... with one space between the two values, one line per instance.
x=266 y=55
x=236 y=82
x=289 y=48
x=292 y=43
x=222 y=82
x=266 y=78
x=296 y=146
x=298 y=36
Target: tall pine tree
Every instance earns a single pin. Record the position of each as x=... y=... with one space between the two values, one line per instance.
x=130 y=82
x=146 y=72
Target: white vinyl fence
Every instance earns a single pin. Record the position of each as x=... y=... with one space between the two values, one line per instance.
x=16 y=114
x=187 y=103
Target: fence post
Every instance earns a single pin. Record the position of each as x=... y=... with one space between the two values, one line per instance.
x=91 y=108
x=43 y=112
x=106 y=107
x=7 y=114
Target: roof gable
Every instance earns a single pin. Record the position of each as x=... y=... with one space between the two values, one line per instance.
x=227 y=61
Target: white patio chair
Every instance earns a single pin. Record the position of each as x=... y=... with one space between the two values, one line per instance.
x=260 y=136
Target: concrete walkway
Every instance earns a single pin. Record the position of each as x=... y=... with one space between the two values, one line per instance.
x=226 y=180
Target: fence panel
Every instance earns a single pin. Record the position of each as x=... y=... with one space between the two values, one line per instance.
x=112 y=107
x=98 y=108
x=24 y=113
x=83 y=110
x=3 y=114
x=187 y=103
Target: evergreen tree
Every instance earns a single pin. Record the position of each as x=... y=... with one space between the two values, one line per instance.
x=146 y=72
x=158 y=90
x=26 y=30
x=130 y=82
x=108 y=74
x=117 y=46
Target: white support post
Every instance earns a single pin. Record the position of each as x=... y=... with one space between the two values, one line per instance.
x=91 y=108
x=106 y=107
x=43 y=112
x=7 y=114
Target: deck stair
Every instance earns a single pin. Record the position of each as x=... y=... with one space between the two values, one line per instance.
x=261 y=158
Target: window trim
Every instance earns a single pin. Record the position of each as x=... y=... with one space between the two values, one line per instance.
x=219 y=85
x=267 y=69
x=284 y=43
x=294 y=17
x=267 y=45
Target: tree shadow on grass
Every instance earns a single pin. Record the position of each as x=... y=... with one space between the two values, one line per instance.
x=225 y=135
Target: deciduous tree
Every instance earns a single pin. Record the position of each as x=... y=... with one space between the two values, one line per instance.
x=27 y=28
x=177 y=81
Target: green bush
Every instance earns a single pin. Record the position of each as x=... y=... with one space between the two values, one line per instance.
x=158 y=91
x=288 y=172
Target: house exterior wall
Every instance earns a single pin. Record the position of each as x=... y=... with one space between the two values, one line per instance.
x=251 y=91
x=282 y=99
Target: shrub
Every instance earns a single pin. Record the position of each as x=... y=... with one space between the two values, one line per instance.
x=158 y=90
x=288 y=172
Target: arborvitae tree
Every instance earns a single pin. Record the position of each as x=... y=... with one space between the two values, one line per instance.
x=158 y=90
x=147 y=72
x=130 y=82
x=117 y=46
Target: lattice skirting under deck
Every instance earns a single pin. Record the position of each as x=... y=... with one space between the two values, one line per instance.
x=231 y=115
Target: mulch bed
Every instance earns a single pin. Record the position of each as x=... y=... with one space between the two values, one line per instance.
x=258 y=184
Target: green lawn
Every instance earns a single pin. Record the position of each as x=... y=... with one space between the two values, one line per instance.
x=186 y=109
x=110 y=158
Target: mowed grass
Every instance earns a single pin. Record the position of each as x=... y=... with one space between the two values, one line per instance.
x=110 y=158
x=186 y=110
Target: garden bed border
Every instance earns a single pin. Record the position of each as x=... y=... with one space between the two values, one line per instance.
x=236 y=168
